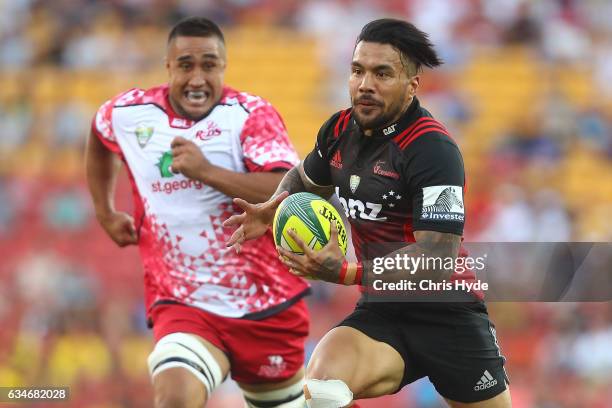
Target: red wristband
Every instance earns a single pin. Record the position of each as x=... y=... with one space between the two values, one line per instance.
x=358 y=274
x=343 y=272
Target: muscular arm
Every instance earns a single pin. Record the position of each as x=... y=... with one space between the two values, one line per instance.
x=296 y=181
x=429 y=244
x=102 y=167
x=251 y=187
x=330 y=265
x=256 y=218
x=259 y=187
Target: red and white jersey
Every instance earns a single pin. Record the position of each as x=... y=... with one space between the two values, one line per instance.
x=181 y=237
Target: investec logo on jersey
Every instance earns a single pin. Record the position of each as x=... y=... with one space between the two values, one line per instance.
x=443 y=203
x=358 y=209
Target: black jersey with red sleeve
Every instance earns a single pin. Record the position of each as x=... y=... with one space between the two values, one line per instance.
x=406 y=177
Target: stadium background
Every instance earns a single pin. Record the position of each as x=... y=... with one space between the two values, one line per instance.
x=526 y=90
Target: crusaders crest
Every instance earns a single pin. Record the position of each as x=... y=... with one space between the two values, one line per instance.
x=354 y=183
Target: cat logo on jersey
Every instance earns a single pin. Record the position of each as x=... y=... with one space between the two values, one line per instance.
x=354 y=183
x=143 y=134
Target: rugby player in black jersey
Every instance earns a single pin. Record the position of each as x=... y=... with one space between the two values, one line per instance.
x=400 y=177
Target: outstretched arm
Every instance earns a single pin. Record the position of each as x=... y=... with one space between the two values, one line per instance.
x=256 y=218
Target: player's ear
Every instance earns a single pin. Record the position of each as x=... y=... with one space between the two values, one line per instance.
x=413 y=84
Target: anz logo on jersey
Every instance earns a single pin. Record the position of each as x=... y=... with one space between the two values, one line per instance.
x=357 y=209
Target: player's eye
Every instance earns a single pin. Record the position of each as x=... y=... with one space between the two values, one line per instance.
x=356 y=70
x=184 y=66
x=209 y=66
x=383 y=75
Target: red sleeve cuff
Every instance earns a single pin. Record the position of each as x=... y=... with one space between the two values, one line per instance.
x=279 y=165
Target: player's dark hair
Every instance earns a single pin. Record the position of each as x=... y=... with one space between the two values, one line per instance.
x=412 y=43
x=195 y=27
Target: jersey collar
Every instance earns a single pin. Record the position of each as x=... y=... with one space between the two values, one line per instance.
x=411 y=114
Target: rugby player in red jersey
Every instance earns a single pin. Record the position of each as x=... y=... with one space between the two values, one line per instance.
x=190 y=147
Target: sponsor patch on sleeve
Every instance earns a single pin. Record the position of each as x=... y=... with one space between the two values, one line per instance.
x=443 y=203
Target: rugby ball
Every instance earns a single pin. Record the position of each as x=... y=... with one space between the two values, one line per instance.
x=310 y=216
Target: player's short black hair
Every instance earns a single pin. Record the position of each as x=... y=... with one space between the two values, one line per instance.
x=412 y=43
x=196 y=27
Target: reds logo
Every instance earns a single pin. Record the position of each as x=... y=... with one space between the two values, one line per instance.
x=212 y=130
x=275 y=367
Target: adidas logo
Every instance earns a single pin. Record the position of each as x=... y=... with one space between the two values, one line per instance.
x=486 y=381
x=336 y=160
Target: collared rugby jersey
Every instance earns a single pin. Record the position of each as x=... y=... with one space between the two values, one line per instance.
x=406 y=177
x=179 y=220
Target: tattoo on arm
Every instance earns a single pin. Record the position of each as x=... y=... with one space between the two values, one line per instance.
x=322 y=191
x=330 y=269
x=295 y=181
x=292 y=182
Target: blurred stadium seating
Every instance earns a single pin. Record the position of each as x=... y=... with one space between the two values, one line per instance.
x=525 y=91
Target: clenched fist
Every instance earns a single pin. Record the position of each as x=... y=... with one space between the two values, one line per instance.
x=120 y=227
x=188 y=159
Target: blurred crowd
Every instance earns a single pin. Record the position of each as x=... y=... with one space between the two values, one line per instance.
x=526 y=90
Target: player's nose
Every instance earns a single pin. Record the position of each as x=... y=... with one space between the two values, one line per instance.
x=197 y=80
x=367 y=83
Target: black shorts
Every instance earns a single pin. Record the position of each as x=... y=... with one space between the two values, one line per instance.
x=453 y=344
